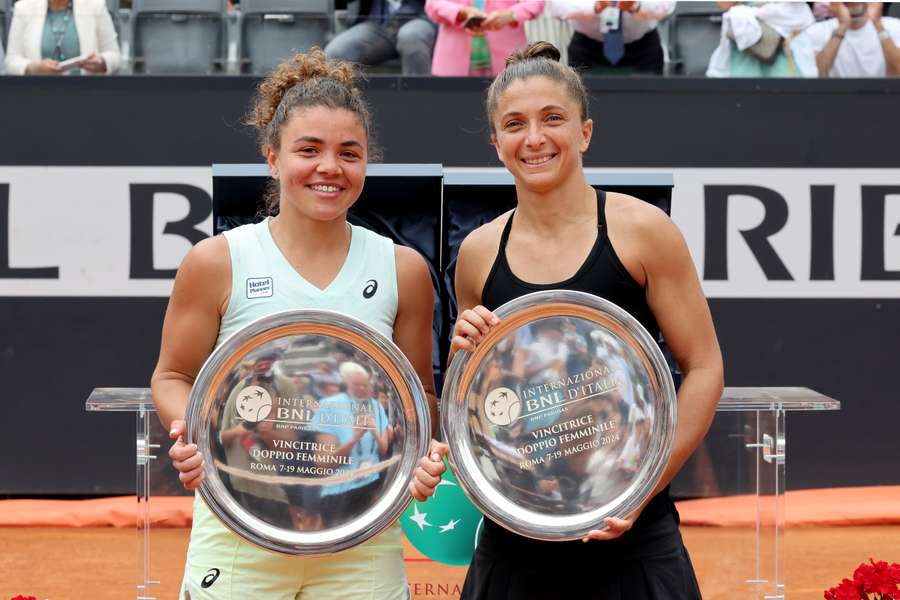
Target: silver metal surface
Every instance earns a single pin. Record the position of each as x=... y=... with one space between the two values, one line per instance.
x=563 y=415
x=310 y=423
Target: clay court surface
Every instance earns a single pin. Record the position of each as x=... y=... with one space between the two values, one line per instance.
x=100 y=563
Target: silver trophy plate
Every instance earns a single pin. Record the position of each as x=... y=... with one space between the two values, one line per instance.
x=563 y=415
x=310 y=424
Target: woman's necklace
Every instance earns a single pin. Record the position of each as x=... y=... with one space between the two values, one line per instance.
x=59 y=26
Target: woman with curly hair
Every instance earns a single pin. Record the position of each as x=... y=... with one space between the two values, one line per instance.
x=315 y=133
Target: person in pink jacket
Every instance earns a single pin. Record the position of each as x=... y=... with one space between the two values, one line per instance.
x=476 y=36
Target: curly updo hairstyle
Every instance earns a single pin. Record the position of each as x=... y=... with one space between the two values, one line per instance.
x=306 y=80
x=539 y=59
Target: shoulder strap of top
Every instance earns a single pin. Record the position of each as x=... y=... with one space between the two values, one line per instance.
x=601 y=209
x=504 y=237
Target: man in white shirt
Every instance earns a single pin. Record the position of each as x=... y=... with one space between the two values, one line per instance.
x=858 y=42
x=615 y=36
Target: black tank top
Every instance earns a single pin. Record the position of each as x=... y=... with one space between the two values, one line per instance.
x=603 y=275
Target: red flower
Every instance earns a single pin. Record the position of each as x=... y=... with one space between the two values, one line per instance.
x=879 y=578
x=885 y=579
x=847 y=590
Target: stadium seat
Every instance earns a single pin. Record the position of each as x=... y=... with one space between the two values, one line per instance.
x=694 y=34
x=5 y=17
x=179 y=36
x=271 y=30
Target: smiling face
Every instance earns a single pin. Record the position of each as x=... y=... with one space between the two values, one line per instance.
x=320 y=163
x=539 y=134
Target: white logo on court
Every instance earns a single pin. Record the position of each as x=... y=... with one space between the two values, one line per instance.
x=254 y=404
x=502 y=406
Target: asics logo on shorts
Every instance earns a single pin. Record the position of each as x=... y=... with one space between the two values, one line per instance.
x=210 y=578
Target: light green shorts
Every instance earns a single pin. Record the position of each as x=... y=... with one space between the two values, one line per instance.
x=224 y=566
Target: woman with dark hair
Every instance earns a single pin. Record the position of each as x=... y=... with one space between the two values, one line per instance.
x=564 y=234
x=315 y=133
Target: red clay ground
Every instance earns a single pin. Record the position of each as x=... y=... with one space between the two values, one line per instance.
x=101 y=563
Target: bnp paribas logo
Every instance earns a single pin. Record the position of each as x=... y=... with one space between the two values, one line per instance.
x=445 y=528
x=502 y=406
x=254 y=404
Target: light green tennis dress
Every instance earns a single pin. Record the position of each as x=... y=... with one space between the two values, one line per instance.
x=222 y=565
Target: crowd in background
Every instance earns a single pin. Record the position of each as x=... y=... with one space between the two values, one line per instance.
x=473 y=37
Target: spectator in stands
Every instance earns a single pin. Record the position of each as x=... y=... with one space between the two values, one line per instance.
x=616 y=37
x=44 y=33
x=758 y=40
x=822 y=11
x=476 y=36
x=386 y=29
x=858 y=42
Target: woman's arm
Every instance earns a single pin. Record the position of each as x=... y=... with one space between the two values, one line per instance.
x=473 y=263
x=469 y=270
x=415 y=316
x=16 y=61
x=107 y=40
x=191 y=325
x=676 y=299
x=447 y=12
x=527 y=10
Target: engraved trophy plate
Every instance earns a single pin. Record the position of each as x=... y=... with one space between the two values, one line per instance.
x=310 y=424
x=563 y=415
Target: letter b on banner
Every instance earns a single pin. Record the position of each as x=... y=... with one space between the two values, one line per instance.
x=142 y=204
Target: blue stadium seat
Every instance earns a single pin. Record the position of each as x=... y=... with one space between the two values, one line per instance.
x=179 y=36
x=694 y=34
x=272 y=30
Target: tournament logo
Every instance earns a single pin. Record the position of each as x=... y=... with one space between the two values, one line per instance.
x=502 y=406
x=254 y=404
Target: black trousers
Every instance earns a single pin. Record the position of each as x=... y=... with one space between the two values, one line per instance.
x=642 y=56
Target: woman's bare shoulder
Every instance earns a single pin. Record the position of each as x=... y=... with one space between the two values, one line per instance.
x=630 y=215
x=206 y=270
x=484 y=240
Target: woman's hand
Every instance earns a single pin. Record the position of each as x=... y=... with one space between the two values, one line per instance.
x=186 y=458
x=45 y=67
x=499 y=19
x=841 y=13
x=94 y=64
x=468 y=12
x=427 y=475
x=471 y=326
x=615 y=527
